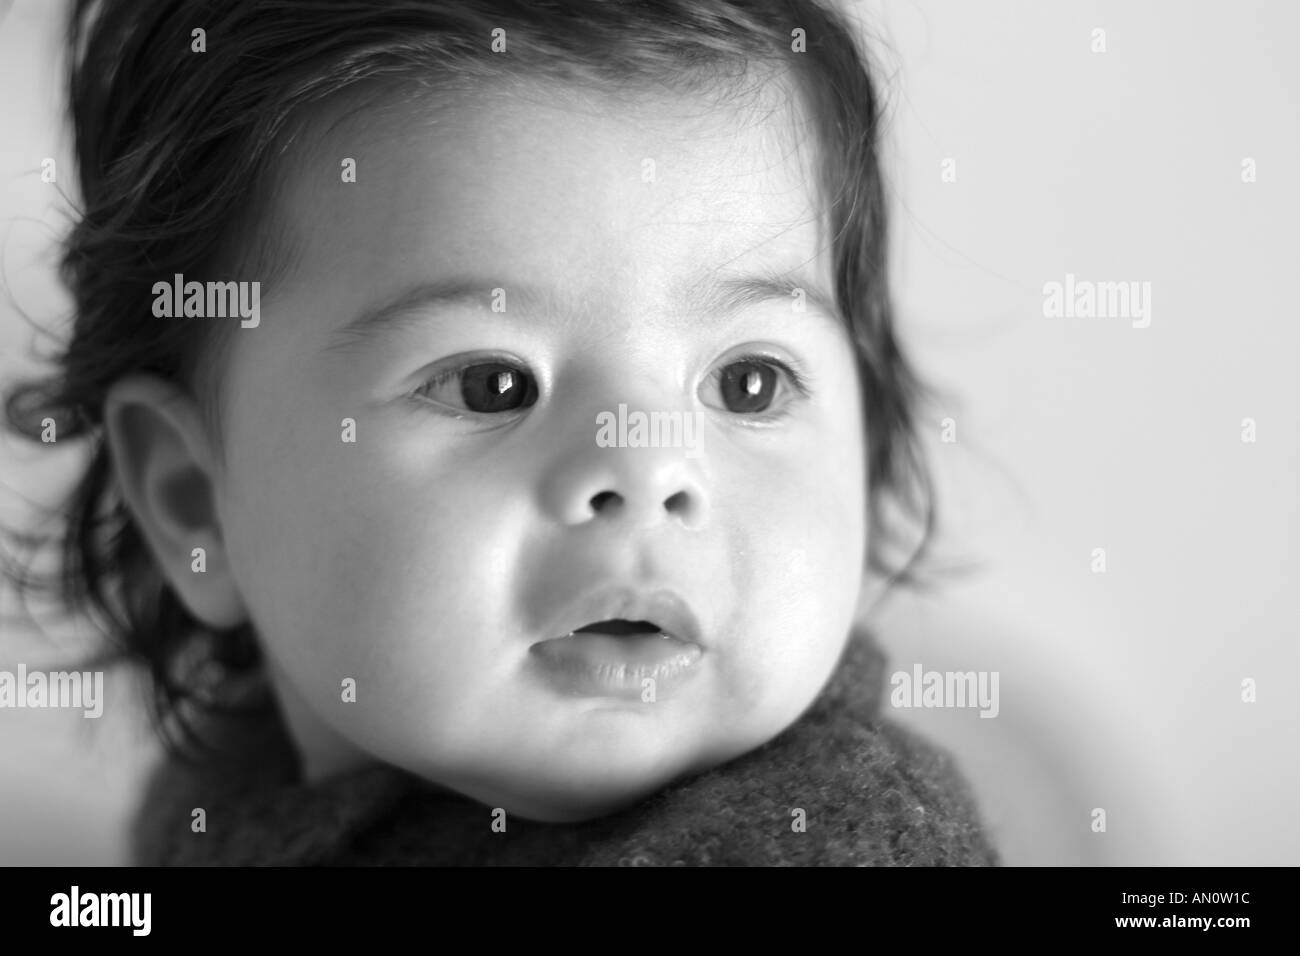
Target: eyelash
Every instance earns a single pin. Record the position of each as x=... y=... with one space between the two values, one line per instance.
x=794 y=372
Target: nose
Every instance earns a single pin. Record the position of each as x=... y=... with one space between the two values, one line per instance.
x=640 y=487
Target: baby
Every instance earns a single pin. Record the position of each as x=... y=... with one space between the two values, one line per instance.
x=505 y=397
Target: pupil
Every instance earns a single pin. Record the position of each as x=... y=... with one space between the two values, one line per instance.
x=748 y=387
x=494 y=387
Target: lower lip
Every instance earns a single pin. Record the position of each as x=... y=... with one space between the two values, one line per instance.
x=614 y=665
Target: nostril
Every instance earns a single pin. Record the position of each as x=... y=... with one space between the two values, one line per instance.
x=679 y=503
x=599 y=501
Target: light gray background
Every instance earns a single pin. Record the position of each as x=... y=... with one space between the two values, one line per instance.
x=1118 y=690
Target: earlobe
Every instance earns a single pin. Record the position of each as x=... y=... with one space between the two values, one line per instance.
x=165 y=466
x=873 y=587
x=870 y=594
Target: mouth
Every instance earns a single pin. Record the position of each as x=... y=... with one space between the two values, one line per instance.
x=620 y=627
x=632 y=645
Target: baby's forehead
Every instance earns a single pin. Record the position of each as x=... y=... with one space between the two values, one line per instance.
x=553 y=181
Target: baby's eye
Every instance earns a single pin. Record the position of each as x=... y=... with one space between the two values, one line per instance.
x=753 y=384
x=485 y=388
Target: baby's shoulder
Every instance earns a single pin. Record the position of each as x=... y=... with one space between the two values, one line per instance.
x=839 y=788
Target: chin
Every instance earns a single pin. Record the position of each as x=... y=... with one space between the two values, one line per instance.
x=569 y=807
x=577 y=794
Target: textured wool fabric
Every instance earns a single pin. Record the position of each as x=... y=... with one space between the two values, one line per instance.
x=871 y=792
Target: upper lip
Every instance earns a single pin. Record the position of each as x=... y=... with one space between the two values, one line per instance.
x=663 y=607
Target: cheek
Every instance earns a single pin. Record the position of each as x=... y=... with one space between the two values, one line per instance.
x=799 y=547
x=374 y=560
x=806 y=556
x=810 y=507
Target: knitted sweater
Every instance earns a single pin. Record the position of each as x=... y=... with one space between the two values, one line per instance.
x=872 y=793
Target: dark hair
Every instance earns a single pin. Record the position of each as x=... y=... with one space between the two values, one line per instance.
x=174 y=150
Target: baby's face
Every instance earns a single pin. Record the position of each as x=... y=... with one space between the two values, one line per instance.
x=645 y=257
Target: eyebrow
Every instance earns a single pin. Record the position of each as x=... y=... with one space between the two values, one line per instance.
x=719 y=297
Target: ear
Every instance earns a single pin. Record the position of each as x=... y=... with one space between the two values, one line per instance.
x=165 y=465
